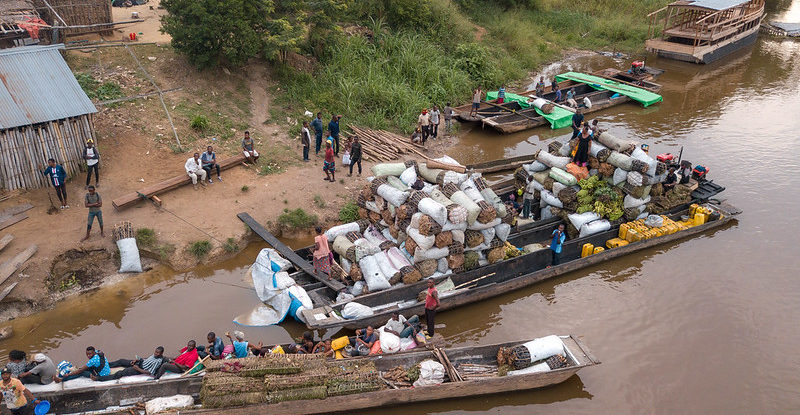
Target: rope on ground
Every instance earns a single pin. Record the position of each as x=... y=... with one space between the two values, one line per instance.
x=184 y=220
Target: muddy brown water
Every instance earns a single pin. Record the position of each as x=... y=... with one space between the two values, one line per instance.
x=706 y=325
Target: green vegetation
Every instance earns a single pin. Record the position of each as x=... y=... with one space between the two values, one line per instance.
x=230 y=245
x=145 y=237
x=245 y=188
x=319 y=201
x=297 y=218
x=349 y=212
x=68 y=283
x=269 y=168
x=199 y=123
x=200 y=248
x=96 y=90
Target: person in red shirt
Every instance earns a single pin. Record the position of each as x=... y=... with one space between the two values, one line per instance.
x=185 y=361
x=329 y=165
x=431 y=304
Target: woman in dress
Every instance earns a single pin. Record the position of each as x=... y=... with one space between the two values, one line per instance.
x=322 y=254
x=584 y=141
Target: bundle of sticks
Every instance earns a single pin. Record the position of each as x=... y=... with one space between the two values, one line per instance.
x=469 y=371
x=380 y=145
x=123 y=230
x=452 y=373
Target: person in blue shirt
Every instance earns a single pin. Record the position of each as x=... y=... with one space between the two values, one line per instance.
x=333 y=130
x=57 y=177
x=501 y=94
x=209 y=163
x=317 y=125
x=96 y=366
x=558 y=240
x=214 y=349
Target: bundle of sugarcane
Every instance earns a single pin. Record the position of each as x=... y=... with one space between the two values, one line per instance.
x=122 y=230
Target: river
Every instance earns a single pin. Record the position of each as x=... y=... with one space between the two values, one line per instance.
x=700 y=326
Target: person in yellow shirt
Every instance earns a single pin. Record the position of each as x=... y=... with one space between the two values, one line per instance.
x=15 y=395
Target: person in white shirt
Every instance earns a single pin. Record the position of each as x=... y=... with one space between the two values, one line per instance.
x=400 y=327
x=423 y=122
x=435 y=121
x=92 y=157
x=194 y=168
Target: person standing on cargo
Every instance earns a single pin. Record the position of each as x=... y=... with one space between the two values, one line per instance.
x=435 y=121
x=540 y=87
x=333 y=129
x=317 y=125
x=424 y=123
x=527 y=198
x=554 y=84
x=322 y=254
x=448 y=118
x=431 y=304
x=476 y=102
x=577 y=120
x=558 y=240
x=584 y=144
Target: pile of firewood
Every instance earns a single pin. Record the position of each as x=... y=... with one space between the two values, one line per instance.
x=380 y=145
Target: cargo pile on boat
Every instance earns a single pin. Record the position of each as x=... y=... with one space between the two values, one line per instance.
x=621 y=183
x=454 y=222
x=280 y=377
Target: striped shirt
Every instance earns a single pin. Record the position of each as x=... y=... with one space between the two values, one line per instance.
x=152 y=363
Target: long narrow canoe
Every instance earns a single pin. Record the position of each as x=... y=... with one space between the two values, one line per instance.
x=503 y=276
x=578 y=357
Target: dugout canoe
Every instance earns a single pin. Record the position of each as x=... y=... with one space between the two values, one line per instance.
x=504 y=276
x=577 y=354
x=644 y=80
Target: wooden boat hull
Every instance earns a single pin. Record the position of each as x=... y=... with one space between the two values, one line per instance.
x=513 y=274
x=515 y=123
x=709 y=55
x=448 y=390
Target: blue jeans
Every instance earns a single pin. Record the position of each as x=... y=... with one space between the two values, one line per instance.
x=84 y=374
x=92 y=215
x=408 y=331
x=305 y=152
x=526 y=208
x=318 y=143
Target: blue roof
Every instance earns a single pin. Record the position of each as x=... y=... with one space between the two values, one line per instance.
x=37 y=86
x=717 y=4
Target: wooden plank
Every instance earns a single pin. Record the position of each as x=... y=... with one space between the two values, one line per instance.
x=12 y=265
x=7 y=291
x=5 y=241
x=8 y=221
x=131 y=199
x=287 y=252
x=16 y=209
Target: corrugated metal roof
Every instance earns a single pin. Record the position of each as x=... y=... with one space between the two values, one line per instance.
x=718 y=4
x=36 y=86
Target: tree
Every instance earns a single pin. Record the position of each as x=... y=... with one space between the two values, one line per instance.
x=210 y=32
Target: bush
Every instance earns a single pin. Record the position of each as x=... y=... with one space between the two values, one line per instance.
x=145 y=237
x=269 y=168
x=199 y=123
x=95 y=90
x=200 y=248
x=349 y=212
x=297 y=218
x=230 y=245
x=319 y=201
x=245 y=188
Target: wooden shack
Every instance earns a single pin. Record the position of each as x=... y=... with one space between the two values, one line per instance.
x=91 y=15
x=13 y=14
x=45 y=115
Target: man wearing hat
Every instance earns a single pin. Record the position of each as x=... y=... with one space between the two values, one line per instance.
x=43 y=373
x=92 y=158
x=15 y=395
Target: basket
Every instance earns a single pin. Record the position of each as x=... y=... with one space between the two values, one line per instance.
x=450 y=189
x=554 y=147
x=496 y=254
x=428 y=226
x=471 y=260
x=455 y=261
x=455 y=248
x=363 y=224
x=415 y=198
x=556 y=362
x=473 y=238
x=376 y=182
x=411 y=246
x=387 y=217
x=410 y=275
x=353 y=236
x=355 y=272
x=520 y=357
x=221 y=383
x=603 y=155
x=480 y=184
x=426 y=267
x=443 y=239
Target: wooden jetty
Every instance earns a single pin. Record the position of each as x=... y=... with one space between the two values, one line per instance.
x=702 y=31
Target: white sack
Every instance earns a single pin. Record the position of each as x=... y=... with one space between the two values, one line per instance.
x=592 y=228
x=129 y=255
x=409 y=176
x=353 y=310
x=372 y=274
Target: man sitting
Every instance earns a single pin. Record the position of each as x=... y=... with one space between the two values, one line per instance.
x=306 y=345
x=214 y=349
x=324 y=347
x=96 y=366
x=194 y=168
x=400 y=327
x=248 y=148
x=241 y=347
x=185 y=361
x=365 y=338
x=148 y=366
x=669 y=182
x=42 y=373
x=209 y=159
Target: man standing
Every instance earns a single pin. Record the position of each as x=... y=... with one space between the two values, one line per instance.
x=94 y=202
x=43 y=373
x=57 y=176
x=305 y=139
x=355 y=156
x=194 y=168
x=554 y=84
x=558 y=93
x=424 y=123
x=209 y=159
x=15 y=395
x=185 y=361
x=92 y=157
x=435 y=121
x=540 y=87
x=577 y=120
x=501 y=94
x=431 y=304
x=333 y=129
x=527 y=198
x=448 y=117
x=148 y=366
x=476 y=102
x=558 y=240
x=248 y=148
x=317 y=125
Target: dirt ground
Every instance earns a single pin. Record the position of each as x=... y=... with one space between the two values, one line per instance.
x=138 y=149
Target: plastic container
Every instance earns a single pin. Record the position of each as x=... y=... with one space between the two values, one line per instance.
x=699 y=219
x=633 y=236
x=616 y=243
x=598 y=249
x=587 y=250
x=623 y=230
x=42 y=408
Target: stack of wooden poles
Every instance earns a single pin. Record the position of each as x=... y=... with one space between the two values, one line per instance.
x=122 y=231
x=380 y=145
x=451 y=371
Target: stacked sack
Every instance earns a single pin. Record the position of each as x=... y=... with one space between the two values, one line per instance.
x=449 y=222
x=616 y=185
